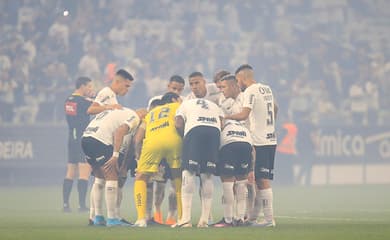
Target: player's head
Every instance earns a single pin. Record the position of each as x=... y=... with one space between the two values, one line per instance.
x=122 y=82
x=170 y=97
x=84 y=86
x=155 y=103
x=244 y=75
x=229 y=86
x=176 y=84
x=197 y=84
x=218 y=76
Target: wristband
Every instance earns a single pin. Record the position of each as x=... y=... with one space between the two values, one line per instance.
x=115 y=154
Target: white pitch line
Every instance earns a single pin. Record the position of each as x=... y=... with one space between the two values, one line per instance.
x=333 y=219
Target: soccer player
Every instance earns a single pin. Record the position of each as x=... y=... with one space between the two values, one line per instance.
x=157 y=139
x=156 y=188
x=199 y=121
x=234 y=164
x=260 y=109
x=231 y=91
x=176 y=85
x=217 y=78
x=106 y=99
x=199 y=88
x=76 y=106
x=101 y=142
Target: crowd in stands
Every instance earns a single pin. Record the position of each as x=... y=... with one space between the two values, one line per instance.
x=327 y=60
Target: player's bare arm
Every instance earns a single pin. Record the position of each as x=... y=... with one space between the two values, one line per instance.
x=179 y=124
x=96 y=108
x=243 y=115
x=138 y=140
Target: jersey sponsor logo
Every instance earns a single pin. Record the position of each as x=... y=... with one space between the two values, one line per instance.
x=91 y=129
x=71 y=108
x=270 y=136
x=16 y=150
x=236 y=133
x=105 y=99
x=265 y=90
x=163 y=125
x=207 y=119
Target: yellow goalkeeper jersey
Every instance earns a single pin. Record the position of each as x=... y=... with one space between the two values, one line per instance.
x=160 y=125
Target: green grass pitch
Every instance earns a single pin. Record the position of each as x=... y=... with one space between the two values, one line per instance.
x=330 y=212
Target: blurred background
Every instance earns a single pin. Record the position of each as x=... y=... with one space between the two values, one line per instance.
x=327 y=62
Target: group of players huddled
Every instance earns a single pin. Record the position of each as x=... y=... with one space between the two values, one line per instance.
x=225 y=129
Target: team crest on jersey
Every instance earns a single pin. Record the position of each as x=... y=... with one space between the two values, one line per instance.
x=71 y=108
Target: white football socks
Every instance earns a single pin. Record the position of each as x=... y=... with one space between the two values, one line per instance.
x=266 y=197
x=187 y=190
x=228 y=201
x=241 y=198
x=111 y=197
x=98 y=192
x=207 y=196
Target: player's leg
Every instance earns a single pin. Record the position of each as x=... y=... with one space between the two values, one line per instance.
x=172 y=202
x=147 y=165
x=241 y=198
x=172 y=167
x=264 y=175
x=176 y=180
x=149 y=200
x=140 y=197
x=207 y=149
x=159 y=192
x=67 y=185
x=122 y=177
x=242 y=152
x=187 y=191
x=111 y=193
x=82 y=184
x=93 y=150
x=226 y=173
x=251 y=214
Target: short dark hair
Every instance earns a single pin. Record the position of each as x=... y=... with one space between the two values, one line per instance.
x=125 y=74
x=82 y=81
x=177 y=78
x=243 y=67
x=220 y=74
x=195 y=74
x=155 y=103
x=228 y=77
x=168 y=97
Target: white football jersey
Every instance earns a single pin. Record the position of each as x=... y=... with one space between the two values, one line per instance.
x=235 y=131
x=105 y=123
x=231 y=106
x=106 y=97
x=199 y=112
x=212 y=93
x=260 y=100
